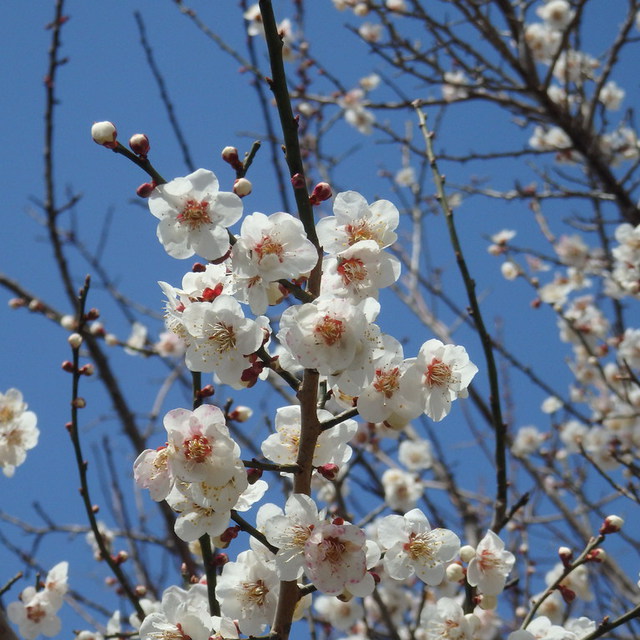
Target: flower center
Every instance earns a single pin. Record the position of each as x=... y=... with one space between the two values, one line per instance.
x=438 y=374
x=197 y=448
x=224 y=336
x=421 y=545
x=6 y=415
x=329 y=330
x=489 y=561
x=359 y=230
x=255 y=592
x=352 y=270
x=36 y=612
x=269 y=247
x=387 y=381
x=334 y=549
x=194 y=214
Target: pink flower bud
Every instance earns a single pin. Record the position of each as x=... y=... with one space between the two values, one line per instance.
x=230 y=155
x=207 y=391
x=321 y=192
x=67 y=366
x=75 y=340
x=242 y=187
x=240 y=414
x=220 y=559
x=566 y=555
x=253 y=475
x=611 y=524
x=145 y=189
x=596 y=555
x=86 y=370
x=568 y=595
x=297 y=180
x=139 y=144
x=198 y=267
x=16 y=303
x=329 y=471
x=105 y=133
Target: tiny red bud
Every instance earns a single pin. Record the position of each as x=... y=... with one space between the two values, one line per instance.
x=338 y=521
x=198 y=267
x=596 y=555
x=95 y=508
x=611 y=524
x=139 y=144
x=141 y=590
x=568 y=595
x=566 y=555
x=297 y=180
x=321 y=192
x=207 y=391
x=220 y=559
x=229 y=534
x=67 y=366
x=253 y=475
x=92 y=314
x=86 y=370
x=146 y=189
x=329 y=471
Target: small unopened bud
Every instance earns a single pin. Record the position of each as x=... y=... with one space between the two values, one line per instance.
x=121 y=557
x=75 y=340
x=67 y=366
x=338 y=521
x=111 y=339
x=321 y=192
x=207 y=391
x=242 y=187
x=220 y=559
x=141 y=591
x=95 y=508
x=146 y=189
x=467 y=552
x=97 y=329
x=139 y=144
x=455 y=572
x=110 y=581
x=105 y=133
x=230 y=155
x=240 y=414
x=297 y=180
x=68 y=322
x=566 y=555
x=611 y=524
x=86 y=370
x=253 y=475
x=79 y=403
x=568 y=595
x=92 y=314
x=198 y=267
x=596 y=555
x=329 y=471
x=35 y=305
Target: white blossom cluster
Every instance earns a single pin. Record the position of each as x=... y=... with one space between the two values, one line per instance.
x=18 y=431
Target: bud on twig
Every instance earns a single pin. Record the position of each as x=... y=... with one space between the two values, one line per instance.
x=105 y=133
x=146 y=189
x=566 y=555
x=611 y=524
x=329 y=471
x=242 y=187
x=321 y=192
x=253 y=475
x=139 y=144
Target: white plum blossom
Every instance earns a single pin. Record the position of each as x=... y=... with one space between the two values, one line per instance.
x=340 y=614
x=412 y=546
x=455 y=86
x=611 y=96
x=527 y=441
x=18 y=431
x=355 y=113
x=401 y=489
x=329 y=334
x=151 y=470
x=382 y=397
x=556 y=13
x=542 y=40
x=440 y=374
x=335 y=558
x=355 y=220
x=194 y=215
x=269 y=249
x=447 y=621
x=489 y=568
x=290 y=532
x=331 y=448
x=220 y=338
x=415 y=455
x=359 y=271
x=181 y=614
x=248 y=592
x=36 y=611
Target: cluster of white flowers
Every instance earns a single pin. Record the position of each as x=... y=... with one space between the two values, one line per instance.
x=199 y=472
x=35 y=613
x=18 y=431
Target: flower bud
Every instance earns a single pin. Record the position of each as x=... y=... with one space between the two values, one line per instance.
x=321 y=192
x=467 y=552
x=207 y=391
x=139 y=144
x=230 y=155
x=611 y=524
x=297 y=181
x=105 y=133
x=455 y=572
x=35 y=305
x=596 y=555
x=111 y=339
x=68 y=322
x=220 y=559
x=566 y=555
x=96 y=329
x=16 y=303
x=79 y=403
x=240 y=414
x=568 y=595
x=329 y=471
x=146 y=189
x=67 y=366
x=86 y=370
x=75 y=340
x=253 y=475
x=242 y=187
x=141 y=590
